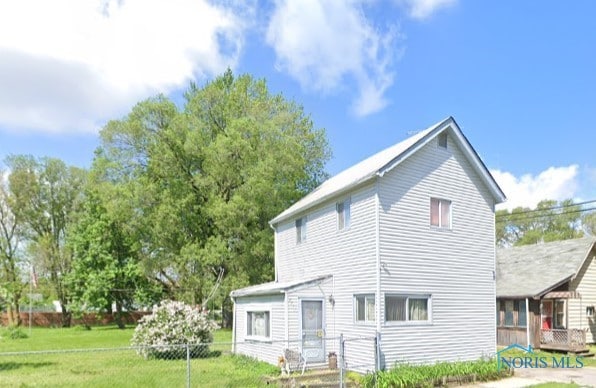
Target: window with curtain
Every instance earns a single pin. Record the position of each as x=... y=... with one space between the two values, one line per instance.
x=399 y=308
x=258 y=324
x=365 y=308
x=440 y=213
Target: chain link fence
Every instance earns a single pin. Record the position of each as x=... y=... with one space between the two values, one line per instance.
x=196 y=365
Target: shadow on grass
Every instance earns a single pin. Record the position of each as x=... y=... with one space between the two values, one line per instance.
x=5 y=366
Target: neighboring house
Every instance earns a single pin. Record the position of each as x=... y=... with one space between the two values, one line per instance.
x=401 y=244
x=546 y=295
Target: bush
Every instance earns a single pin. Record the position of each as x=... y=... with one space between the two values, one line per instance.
x=405 y=375
x=171 y=326
x=15 y=332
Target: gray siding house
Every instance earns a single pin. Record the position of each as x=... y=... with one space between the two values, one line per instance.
x=401 y=244
x=546 y=295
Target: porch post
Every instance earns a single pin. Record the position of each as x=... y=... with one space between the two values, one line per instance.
x=527 y=322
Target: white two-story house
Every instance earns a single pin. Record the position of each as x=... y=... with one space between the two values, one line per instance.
x=400 y=245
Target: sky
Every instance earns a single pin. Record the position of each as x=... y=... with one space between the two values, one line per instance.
x=517 y=76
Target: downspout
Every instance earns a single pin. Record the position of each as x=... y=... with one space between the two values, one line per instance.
x=234 y=326
x=287 y=313
x=378 y=254
x=274 y=251
x=527 y=322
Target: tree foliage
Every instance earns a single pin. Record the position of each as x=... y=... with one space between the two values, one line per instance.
x=45 y=197
x=105 y=266
x=201 y=182
x=11 y=260
x=549 y=221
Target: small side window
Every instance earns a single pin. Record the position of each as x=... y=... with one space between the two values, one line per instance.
x=343 y=214
x=300 y=230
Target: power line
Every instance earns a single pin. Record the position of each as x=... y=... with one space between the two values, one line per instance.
x=513 y=217
x=548 y=208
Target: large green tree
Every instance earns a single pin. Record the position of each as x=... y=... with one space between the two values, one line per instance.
x=46 y=196
x=201 y=181
x=105 y=268
x=549 y=221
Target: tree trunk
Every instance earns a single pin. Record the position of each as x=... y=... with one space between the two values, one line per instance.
x=66 y=315
x=118 y=317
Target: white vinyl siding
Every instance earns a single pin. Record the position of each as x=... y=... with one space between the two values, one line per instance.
x=266 y=349
x=585 y=285
x=456 y=268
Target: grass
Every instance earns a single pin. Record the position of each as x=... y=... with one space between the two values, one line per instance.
x=113 y=367
x=554 y=385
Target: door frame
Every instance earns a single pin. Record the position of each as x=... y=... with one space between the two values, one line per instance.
x=323 y=322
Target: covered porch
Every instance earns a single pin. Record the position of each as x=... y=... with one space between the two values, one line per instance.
x=555 y=331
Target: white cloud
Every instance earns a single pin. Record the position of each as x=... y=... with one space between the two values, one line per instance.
x=323 y=43
x=422 y=9
x=68 y=65
x=553 y=183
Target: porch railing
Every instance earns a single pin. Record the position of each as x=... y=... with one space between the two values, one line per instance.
x=563 y=337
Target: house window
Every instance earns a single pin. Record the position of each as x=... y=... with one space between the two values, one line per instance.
x=509 y=306
x=440 y=213
x=442 y=140
x=590 y=311
x=520 y=307
x=300 y=229
x=559 y=314
x=343 y=214
x=258 y=324
x=365 y=308
x=406 y=308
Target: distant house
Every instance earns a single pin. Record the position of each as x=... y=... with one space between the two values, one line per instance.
x=546 y=295
x=401 y=244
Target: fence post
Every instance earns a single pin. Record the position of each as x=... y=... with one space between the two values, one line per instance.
x=341 y=360
x=187 y=366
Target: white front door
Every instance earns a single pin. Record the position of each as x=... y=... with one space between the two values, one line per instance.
x=312 y=328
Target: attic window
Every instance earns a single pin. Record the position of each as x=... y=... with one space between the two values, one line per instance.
x=442 y=140
x=300 y=230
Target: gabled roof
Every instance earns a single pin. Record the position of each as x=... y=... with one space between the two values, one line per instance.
x=384 y=161
x=534 y=270
x=273 y=288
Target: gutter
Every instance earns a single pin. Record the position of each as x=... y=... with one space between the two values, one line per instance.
x=274 y=251
x=234 y=326
x=527 y=323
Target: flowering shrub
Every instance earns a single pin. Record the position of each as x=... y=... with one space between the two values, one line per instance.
x=169 y=328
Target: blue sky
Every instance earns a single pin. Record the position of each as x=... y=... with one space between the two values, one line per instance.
x=517 y=76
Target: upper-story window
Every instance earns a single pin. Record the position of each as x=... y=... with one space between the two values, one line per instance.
x=440 y=213
x=343 y=214
x=300 y=230
x=442 y=140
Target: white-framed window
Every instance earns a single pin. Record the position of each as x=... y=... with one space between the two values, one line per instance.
x=300 y=230
x=364 y=308
x=442 y=140
x=405 y=308
x=343 y=214
x=258 y=324
x=440 y=213
x=590 y=311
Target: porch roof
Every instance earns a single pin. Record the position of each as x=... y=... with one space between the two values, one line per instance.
x=276 y=287
x=533 y=270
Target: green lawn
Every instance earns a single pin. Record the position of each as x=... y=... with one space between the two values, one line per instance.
x=113 y=367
